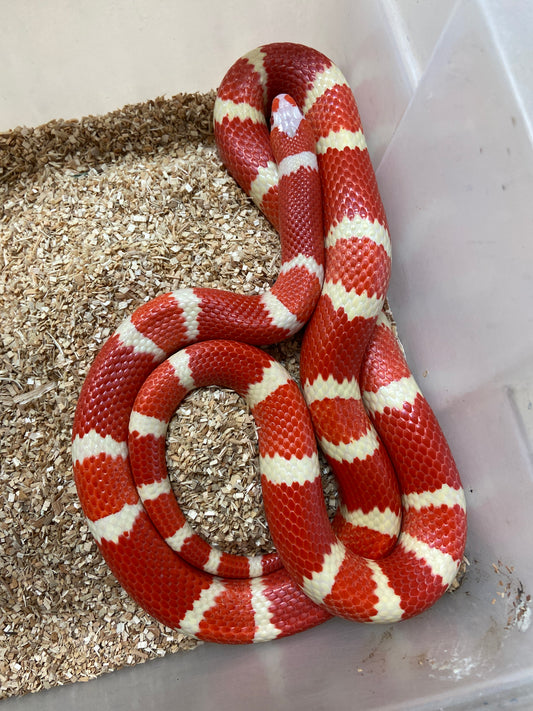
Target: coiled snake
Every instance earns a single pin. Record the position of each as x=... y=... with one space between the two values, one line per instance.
x=396 y=476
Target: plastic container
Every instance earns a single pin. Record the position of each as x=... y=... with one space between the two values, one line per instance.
x=445 y=90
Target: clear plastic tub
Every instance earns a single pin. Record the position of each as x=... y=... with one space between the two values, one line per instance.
x=445 y=90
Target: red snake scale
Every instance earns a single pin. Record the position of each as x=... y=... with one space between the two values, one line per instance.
x=398 y=536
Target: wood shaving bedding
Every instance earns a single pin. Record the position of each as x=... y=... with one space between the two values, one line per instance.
x=96 y=217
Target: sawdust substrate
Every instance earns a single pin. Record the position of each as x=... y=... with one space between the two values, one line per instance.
x=98 y=216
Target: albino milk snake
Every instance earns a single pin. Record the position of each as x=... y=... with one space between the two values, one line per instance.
x=357 y=567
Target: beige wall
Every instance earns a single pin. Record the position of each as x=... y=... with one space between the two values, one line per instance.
x=67 y=58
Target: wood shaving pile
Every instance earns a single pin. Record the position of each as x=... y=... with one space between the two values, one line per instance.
x=98 y=216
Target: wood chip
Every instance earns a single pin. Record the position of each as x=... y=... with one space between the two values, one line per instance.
x=98 y=216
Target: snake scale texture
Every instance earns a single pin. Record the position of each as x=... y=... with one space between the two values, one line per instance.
x=288 y=130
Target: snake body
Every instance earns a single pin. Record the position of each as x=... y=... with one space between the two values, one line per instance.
x=398 y=536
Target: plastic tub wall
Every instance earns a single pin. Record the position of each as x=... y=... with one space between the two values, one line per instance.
x=445 y=91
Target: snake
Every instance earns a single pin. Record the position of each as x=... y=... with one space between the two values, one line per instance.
x=288 y=130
